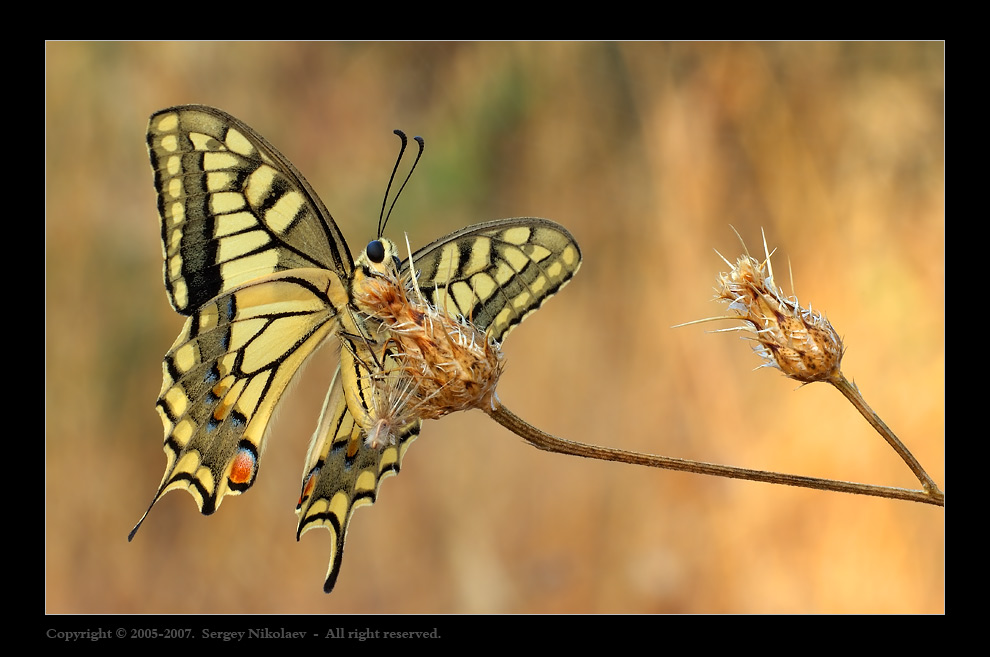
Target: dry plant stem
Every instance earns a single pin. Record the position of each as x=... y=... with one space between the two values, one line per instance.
x=851 y=393
x=550 y=443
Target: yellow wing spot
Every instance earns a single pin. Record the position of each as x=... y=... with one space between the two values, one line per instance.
x=206 y=478
x=183 y=431
x=538 y=284
x=516 y=235
x=464 y=296
x=225 y=202
x=189 y=462
x=237 y=222
x=175 y=242
x=238 y=143
x=536 y=252
x=503 y=273
x=226 y=364
x=177 y=213
x=483 y=285
x=208 y=319
x=555 y=270
x=167 y=122
x=338 y=505
x=204 y=142
x=243 y=270
x=185 y=357
x=480 y=255
x=174 y=189
x=173 y=165
x=522 y=300
x=243 y=332
x=229 y=400
x=569 y=255
x=259 y=185
x=447 y=262
x=169 y=143
x=180 y=293
x=177 y=401
x=218 y=161
x=222 y=386
x=516 y=259
x=502 y=318
x=281 y=215
x=248 y=401
x=366 y=481
x=389 y=458
x=233 y=248
x=217 y=181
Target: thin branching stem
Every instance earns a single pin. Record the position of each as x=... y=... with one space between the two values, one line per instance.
x=550 y=443
x=852 y=393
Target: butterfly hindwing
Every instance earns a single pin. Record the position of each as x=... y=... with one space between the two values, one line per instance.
x=343 y=472
x=227 y=371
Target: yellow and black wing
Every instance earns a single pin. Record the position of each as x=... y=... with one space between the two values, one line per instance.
x=493 y=274
x=496 y=273
x=343 y=472
x=225 y=374
x=255 y=261
x=232 y=207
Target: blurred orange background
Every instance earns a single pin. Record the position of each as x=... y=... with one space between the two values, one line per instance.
x=646 y=152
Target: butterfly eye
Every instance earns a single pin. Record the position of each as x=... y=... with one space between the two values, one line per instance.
x=376 y=251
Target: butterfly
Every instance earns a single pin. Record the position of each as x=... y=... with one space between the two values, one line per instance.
x=257 y=265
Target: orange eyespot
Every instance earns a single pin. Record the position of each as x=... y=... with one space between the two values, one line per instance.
x=242 y=471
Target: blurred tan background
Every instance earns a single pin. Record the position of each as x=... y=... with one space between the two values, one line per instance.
x=647 y=152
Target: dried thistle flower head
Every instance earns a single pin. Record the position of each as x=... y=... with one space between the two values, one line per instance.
x=391 y=411
x=453 y=365
x=799 y=342
x=441 y=363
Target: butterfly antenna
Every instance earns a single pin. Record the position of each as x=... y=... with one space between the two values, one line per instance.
x=402 y=149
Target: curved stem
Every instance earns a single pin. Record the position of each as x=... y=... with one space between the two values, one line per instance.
x=550 y=443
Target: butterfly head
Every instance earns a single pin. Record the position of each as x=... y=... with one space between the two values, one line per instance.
x=375 y=281
x=380 y=258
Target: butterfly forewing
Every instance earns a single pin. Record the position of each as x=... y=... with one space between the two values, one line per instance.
x=495 y=274
x=232 y=207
